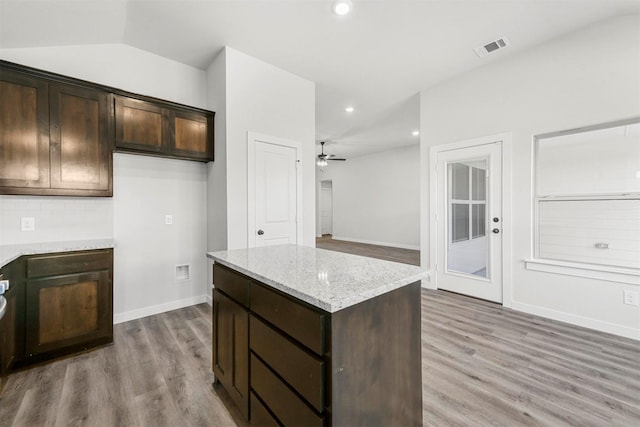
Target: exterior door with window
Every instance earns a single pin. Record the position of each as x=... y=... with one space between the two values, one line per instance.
x=469 y=218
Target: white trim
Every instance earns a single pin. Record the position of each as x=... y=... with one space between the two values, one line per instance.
x=599 y=272
x=375 y=242
x=507 y=244
x=157 y=309
x=209 y=300
x=612 y=328
x=252 y=138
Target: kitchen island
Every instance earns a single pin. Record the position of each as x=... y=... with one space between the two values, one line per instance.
x=305 y=336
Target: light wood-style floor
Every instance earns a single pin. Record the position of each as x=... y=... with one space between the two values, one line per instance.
x=407 y=256
x=481 y=365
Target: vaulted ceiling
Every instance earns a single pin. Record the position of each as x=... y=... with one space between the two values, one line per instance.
x=376 y=59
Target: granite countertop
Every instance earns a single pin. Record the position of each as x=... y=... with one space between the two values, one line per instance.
x=9 y=253
x=326 y=279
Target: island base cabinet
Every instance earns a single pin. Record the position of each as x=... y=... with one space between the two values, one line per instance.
x=376 y=359
x=231 y=349
x=358 y=366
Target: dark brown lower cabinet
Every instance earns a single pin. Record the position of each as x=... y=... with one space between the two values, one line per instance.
x=8 y=329
x=68 y=299
x=231 y=349
x=359 y=366
x=66 y=312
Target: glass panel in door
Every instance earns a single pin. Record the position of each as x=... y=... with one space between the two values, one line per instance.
x=468 y=245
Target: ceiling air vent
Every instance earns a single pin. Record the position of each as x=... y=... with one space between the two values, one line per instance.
x=491 y=47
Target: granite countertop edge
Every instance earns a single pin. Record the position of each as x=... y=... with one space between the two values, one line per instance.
x=354 y=299
x=9 y=253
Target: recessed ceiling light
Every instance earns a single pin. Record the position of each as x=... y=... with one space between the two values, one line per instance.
x=341 y=7
x=415 y=133
x=349 y=109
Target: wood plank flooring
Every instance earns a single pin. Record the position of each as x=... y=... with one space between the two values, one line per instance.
x=407 y=256
x=481 y=365
x=157 y=373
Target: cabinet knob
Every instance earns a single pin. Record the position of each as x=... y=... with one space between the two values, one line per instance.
x=260 y=232
x=496 y=230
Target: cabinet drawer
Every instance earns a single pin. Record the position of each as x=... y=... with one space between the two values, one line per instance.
x=285 y=405
x=231 y=283
x=68 y=263
x=300 y=322
x=260 y=416
x=301 y=370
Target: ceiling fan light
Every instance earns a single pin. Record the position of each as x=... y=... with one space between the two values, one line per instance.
x=341 y=7
x=322 y=162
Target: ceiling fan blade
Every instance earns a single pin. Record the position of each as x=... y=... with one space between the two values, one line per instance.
x=335 y=158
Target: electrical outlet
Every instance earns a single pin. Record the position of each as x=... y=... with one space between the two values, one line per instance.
x=168 y=219
x=27 y=223
x=630 y=297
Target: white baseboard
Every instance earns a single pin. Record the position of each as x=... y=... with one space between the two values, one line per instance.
x=157 y=309
x=573 y=319
x=210 y=300
x=374 y=242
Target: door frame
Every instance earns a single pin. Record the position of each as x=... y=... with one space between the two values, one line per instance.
x=321 y=205
x=507 y=250
x=252 y=139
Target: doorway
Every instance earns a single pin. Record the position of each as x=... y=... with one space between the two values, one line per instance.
x=274 y=191
x=326 y=207
x=467 y=194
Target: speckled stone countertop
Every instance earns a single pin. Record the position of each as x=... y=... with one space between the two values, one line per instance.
x=326 y=279
x=9 y=253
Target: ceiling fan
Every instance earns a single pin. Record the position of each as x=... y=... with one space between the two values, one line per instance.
x=322 y=158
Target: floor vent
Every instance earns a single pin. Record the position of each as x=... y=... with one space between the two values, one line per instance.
x=491 y=47
x=182 y=272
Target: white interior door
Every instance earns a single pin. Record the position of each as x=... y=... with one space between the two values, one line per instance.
x=326 y=207
x=275 y=195
x=469 y=221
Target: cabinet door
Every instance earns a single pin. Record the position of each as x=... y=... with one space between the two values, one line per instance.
x=8 y=328
x=70 y=311
x=140 y=125
x=192 y=135
x=80 y=144
x=231 y=349
x=24 y=133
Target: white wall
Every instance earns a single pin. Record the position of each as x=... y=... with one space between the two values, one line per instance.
x=585 y=78
x=265 y=99
x=376 y=198
x=217 y=170
x=56 y=218
x=145 y=188
x=250 y=95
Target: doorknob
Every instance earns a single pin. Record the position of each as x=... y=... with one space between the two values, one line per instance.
x=496 y=230
x=260 y=232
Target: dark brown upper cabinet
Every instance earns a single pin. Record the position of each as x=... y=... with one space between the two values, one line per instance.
x=54 y=137
x=163 y=129
x=79 y=142
x=24 y=133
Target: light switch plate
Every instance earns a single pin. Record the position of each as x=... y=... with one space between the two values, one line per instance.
x=168 y=219
x=27 y=223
